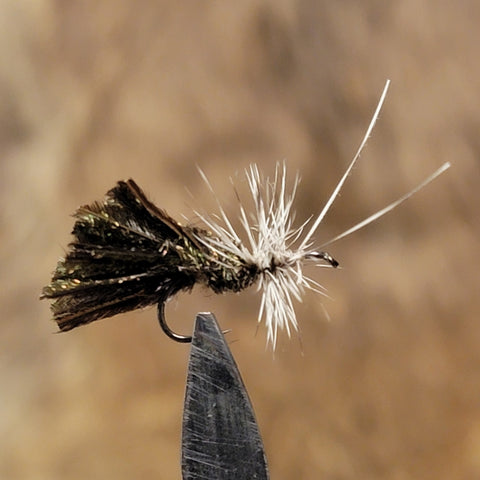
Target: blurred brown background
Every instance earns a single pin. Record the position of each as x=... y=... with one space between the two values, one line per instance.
x=92 y=92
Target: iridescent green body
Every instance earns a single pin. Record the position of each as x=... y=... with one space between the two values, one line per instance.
x=128 y=254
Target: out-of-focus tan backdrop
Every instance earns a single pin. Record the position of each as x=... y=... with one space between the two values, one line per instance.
x=93 y=92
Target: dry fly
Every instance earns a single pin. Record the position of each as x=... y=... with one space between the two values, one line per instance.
x=128 y=254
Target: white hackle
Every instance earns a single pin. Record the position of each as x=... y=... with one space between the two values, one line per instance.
x=274 y=245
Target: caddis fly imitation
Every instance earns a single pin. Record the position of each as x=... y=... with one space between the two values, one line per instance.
x=128 y=254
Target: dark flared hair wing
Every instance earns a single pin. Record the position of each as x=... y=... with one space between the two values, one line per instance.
x=126 y=254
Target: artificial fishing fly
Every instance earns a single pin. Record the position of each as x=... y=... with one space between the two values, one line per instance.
x=128 y=254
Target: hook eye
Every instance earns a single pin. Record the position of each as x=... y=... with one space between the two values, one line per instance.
x=323 y=256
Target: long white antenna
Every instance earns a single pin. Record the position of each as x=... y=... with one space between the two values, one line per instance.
x=390 y=207
x=327 y=206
